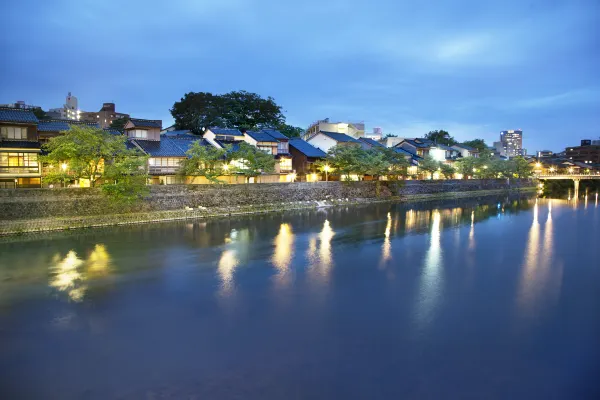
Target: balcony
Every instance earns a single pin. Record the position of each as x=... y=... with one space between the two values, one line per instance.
x=160 y=170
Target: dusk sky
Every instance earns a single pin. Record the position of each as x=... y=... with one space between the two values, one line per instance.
x=470 y=67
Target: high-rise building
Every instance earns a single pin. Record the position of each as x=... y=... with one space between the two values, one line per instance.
x=69 y=110
x=512 y=143
x=588 y=152
x=105 y=116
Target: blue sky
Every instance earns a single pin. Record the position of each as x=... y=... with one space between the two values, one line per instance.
x=470 y=67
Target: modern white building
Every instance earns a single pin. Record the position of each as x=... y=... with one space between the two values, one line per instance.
x=353 y=129
x=69 y=110
x=326 y=140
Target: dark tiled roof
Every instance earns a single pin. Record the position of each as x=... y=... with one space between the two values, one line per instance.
x=113 y=131
x=235 y=144
x=166 y=147
x=185 y=142
x=146 y=123
x=370 y=142
x=261 y=136
x=19 y=144
x=58 y=125
x=226 y=131
x=420 y=143
x=464 y=146
x=444 y=147
x=339 y=137
x=275 y=133
x=17 y=115
x=183 y=132
x=307 y=149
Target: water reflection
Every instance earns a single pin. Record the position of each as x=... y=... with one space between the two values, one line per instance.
x=284 y=251
x=472 y=231
x=386 y=251
x=431 y=278
x=320 y=258
x=70 y=274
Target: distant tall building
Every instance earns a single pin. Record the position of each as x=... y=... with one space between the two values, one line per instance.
x=353 y=129
x=19 y=104
x=588 y=152
x=512 y=143
x=105 y=116
x=69 y=110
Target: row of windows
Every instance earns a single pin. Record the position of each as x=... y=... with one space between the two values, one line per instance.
x=18 y=159
x=164 y=162
x=13 y=132
x=139 y=133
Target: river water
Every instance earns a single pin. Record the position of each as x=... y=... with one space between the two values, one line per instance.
x=483 y=298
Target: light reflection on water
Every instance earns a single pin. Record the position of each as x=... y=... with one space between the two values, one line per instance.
x=282 y=256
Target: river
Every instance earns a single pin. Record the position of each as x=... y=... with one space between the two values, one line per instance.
x=489 y=298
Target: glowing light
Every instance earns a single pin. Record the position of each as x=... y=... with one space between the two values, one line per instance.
x=226 y=167
x=386 y=252
x=66 y=277
x=283 y=254
x=552 y=169
x=64 y=166
x=538 y=165
x=227 y=265
x=326 y=168
x=570 y=170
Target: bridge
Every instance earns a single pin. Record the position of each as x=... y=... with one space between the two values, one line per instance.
x=574 y=177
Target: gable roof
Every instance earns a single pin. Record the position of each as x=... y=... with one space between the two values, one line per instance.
x=226 y=131
x=146 y=123
x=184 y=142
x=370 y=142
x=464 y=146
x=112 y=131
x=58 y=125
x=418 y=142
x=183 y=132
x=17 y=115
x=339 y=137
x=160 y=148
x=261 y=136
x=307 y=149
x=275 y=133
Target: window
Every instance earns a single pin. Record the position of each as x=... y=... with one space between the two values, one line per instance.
x=266 y=149
x=19 y=163
x=285 y=164
x=282 y=148
x=13 y=132
x=139 y=133
x=164 y=162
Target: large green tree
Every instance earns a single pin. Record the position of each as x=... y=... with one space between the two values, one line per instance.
x=237 y=109
x=255 y=162
x=290 y=131
x=478 y=144
x=125 y=177
x=207 y=161
x=441 y=137
x=119 y=124
x=40 y=114
x=84 y=152
x=346 y=159
x=429 y=165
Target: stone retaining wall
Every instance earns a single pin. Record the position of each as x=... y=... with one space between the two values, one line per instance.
x=18 y=204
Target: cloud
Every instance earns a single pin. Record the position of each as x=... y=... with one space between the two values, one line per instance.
x=573 y=97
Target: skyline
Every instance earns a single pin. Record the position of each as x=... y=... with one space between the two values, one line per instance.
x=471 y=69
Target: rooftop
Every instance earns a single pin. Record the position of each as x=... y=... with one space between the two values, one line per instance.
x=275 y=133
x=17 y=115
x=58 y=125
x=166 y=147
x=261 y=136
x=146 y=123
x=307 y=149
x=19 y=144
x=226 y=131
x=339 y=137
x=370 y=142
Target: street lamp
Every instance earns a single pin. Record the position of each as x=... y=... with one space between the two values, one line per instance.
x=326 y=169
x=551 y=169
x=538 y=165
x=570 y=170
x=226 y=167
x=63 y=166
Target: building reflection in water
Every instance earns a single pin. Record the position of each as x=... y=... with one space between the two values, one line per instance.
x=71 y=273
x=282 y=256
x=431 y=278
x=539 y=277
x=320 y=256
x=386 y=251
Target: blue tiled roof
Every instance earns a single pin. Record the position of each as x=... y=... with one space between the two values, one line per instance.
x=339 y=137
x=165 y=147
x=226 y=131
x=421 y=143
x=113 y=131
x=184 y=132
x=235 y=144
x=275 y=133
x=17 y=115
x=19 y=144
x=146 y=123
x=185 y=142
x=261 y=136
x=370 y=142
x=58 y=125
x=307 y=149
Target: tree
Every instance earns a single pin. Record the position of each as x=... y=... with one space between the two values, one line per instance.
x=520 y=168
x=430 y=165
x=346 y=159
x=447 y=170
x=125 y=177
x=237 y=109
x=467 y=166
x=478 y=144
x=83 y=152
x=254 y=161
x=441 y=137
x=205 y=161
x=290 y=131
x=389 y=135
x=119 y=124
x=398 y=163
x=40 y=114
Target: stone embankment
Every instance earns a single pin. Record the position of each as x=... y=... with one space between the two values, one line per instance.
x=34 y=210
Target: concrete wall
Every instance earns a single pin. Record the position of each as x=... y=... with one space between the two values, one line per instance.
x=42 y=203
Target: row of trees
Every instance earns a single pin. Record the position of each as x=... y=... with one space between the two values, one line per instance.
x=236 y=109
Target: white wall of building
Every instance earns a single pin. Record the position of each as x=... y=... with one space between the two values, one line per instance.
x=322 y=142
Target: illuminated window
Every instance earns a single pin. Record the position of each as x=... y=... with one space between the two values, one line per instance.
x=13 y=132
x=285 y=164
x=19 y=162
